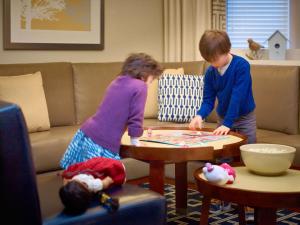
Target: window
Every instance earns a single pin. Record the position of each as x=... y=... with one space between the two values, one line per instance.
x=256 y=19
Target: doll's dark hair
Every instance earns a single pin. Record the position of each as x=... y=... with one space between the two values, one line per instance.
x=140 y=66
x=75 y=197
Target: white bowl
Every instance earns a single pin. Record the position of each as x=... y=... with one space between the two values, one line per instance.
x=267 y=159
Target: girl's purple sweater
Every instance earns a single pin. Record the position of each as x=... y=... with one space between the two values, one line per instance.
x=122 y=107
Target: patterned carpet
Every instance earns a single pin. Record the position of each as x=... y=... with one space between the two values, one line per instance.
x=284 y=217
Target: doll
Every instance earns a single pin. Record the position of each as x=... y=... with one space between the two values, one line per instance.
x=221 y=175
x=85 y=180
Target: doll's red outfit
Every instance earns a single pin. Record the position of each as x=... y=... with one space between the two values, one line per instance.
x=98 y=167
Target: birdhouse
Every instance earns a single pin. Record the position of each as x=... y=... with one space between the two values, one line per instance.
x=277 y=45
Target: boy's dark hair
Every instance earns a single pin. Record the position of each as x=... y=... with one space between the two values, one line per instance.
x=75 y=197
x=140 y=66
x=214 y=43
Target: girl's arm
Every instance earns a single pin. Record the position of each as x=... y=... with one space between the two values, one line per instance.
x=136 y=112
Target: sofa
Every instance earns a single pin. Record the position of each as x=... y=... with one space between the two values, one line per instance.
x=27 y=201
x=73 y=92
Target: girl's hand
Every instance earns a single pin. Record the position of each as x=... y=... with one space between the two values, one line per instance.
x=135 y=141
x=196 y=123
x=222 y=130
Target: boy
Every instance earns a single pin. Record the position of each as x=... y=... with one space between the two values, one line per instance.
x=229 y=80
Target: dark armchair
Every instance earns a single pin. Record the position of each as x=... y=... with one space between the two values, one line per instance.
x=30 y=199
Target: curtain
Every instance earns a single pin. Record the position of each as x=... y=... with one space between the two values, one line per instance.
x=219 y=15
x=184 y=23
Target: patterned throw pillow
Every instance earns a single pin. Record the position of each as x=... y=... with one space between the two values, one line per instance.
x=179 y=97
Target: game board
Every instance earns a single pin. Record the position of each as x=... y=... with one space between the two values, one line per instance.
x=183 y=138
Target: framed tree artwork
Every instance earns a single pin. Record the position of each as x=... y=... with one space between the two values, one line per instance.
x=53 y=24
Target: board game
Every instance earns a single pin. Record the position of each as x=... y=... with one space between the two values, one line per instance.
x=184 y=138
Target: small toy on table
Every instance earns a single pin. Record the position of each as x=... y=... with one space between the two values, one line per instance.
x=183 y=144
x=149 y=132
x=221 y=175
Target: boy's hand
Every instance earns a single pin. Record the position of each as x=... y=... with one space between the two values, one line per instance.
x=196 y=123
x=222 y=130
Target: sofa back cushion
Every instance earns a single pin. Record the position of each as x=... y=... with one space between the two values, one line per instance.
x=58 y=87
x=179 y=97
x=90 y=83
x=196 y=67
x=151 y=108
x=276 y=93
x=27 y=91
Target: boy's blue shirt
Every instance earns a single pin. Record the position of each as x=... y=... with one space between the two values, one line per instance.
x=233 y=90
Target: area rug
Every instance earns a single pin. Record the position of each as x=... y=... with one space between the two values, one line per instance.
x=284 y=217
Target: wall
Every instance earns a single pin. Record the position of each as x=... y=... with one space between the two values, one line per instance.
x=130 y=26
x=295 y=24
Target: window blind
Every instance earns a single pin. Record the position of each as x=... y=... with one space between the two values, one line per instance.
x=256 y=19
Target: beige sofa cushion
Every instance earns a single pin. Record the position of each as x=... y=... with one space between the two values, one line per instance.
x=276 y=93
x=135 y=169
x=174 y=71
x=90 y=83
x=151 y=108
x=48 y=147
x=58 y=87
x=27 y=91
x=195 y=67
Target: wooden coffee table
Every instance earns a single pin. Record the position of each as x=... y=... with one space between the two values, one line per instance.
x=264 y=193
x=158 y=154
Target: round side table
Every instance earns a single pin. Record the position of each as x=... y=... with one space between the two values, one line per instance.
x=157 y=155
x=264 y=193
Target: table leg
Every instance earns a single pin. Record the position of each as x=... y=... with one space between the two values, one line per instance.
x=205 y=210
x=241 y=210
x=157 y=176
x=265 y=216
x=181 y=187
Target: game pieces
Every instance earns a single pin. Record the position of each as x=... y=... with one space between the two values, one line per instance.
x=183 y=138
x=149 y=132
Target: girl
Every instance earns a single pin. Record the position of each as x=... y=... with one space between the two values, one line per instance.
x=122 y=107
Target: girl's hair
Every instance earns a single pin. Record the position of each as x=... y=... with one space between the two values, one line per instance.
x=140 y=66
x=75 y=197
x=214 y=43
